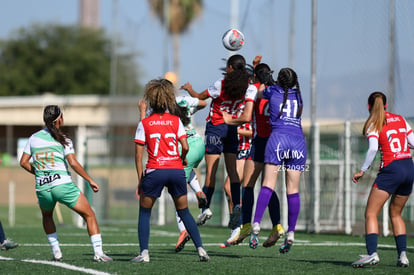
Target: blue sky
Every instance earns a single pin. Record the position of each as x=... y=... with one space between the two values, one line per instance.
x=352 y=44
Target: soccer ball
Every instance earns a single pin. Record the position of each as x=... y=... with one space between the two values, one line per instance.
x=233 y=40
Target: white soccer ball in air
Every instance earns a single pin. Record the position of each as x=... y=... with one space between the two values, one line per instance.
x=233 y=40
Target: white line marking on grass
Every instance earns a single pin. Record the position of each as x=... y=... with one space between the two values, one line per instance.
x=297 y=243
x=62 y=265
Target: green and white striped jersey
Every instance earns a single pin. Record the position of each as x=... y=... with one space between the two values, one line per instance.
x=191 y=103
x=48 y=159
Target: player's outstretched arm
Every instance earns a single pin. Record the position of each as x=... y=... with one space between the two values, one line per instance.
x=189 y=88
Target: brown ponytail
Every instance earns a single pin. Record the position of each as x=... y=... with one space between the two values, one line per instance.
x=376 y=119
x=50 y=114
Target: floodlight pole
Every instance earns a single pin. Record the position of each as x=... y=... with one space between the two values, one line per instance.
x=391 y=68
x=114 y=44
x=313 y=217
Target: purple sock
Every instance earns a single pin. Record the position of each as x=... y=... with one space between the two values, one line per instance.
x=262 y=202
x=293 y=201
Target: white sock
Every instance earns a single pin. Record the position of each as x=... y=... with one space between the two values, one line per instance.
x=96 y=241
x=54 y=242
x=194 y=184
x=180 y=223
x=144 y=252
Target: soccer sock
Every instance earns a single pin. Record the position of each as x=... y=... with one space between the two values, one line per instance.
x=96 y=241
x=401 y=243
x=274 y=209
x=144 y=227
x=2 y=234
x=194 y=183
x=293 y=201
x=191 y=226
x=247 y=204
x=180 y=223
x=235 y=193
x=262 y=202
x=371 y=241
x=209 y=194
x=54 y=242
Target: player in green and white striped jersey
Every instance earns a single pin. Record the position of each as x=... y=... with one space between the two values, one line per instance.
x=47 y=155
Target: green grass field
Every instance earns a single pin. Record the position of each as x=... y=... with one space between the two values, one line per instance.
x=311 y=253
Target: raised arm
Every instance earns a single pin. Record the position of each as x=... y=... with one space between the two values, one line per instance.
x=142 y=106
x=257 y=59
x=189 y=88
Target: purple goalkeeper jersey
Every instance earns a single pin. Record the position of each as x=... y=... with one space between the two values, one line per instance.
x=286 y=144
x=287 y=122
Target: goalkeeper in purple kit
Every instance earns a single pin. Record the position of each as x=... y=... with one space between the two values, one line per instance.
x=285 y=151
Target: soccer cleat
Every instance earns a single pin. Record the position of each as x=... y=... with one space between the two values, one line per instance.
x=8 y=244
x=202 y=199
x=364 y=260
x=235 y=217
x=141 y=258
x=254 y=236
x=244 y=232
x=102 y=258
x=202 y=253
x=288 y=243
x=57 y=256
x=277 y=232
x=403 y=260
x=234 y=236
x=182 y=240
x=204 y=216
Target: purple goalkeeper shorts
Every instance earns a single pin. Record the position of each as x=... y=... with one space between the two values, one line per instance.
x=287 y=150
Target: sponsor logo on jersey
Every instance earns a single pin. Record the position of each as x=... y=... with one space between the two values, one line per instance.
x=49 y=179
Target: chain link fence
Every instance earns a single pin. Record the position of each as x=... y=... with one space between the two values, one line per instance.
x=339 y=202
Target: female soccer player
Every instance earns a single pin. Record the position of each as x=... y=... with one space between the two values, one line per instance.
x=255 y=162
x=393 y=136
x=244 y=134
x=228 y=94
x=285 y=149
x=50 y=150
x=160 y=133
x=186 y=107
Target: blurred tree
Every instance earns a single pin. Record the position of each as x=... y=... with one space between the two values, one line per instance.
x=176 y=19
x=61 y=60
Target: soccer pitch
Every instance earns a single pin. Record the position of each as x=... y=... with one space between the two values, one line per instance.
x=310 y=254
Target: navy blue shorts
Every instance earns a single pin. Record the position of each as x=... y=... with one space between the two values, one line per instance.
x=397 y=177
x=221 y=138
x=155 y=180
x=257 y=150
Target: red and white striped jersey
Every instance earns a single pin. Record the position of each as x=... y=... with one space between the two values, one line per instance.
x=392 y=140
x=222 y=102
x=161 y=133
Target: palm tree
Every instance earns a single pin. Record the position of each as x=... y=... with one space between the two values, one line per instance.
x=176 y=16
